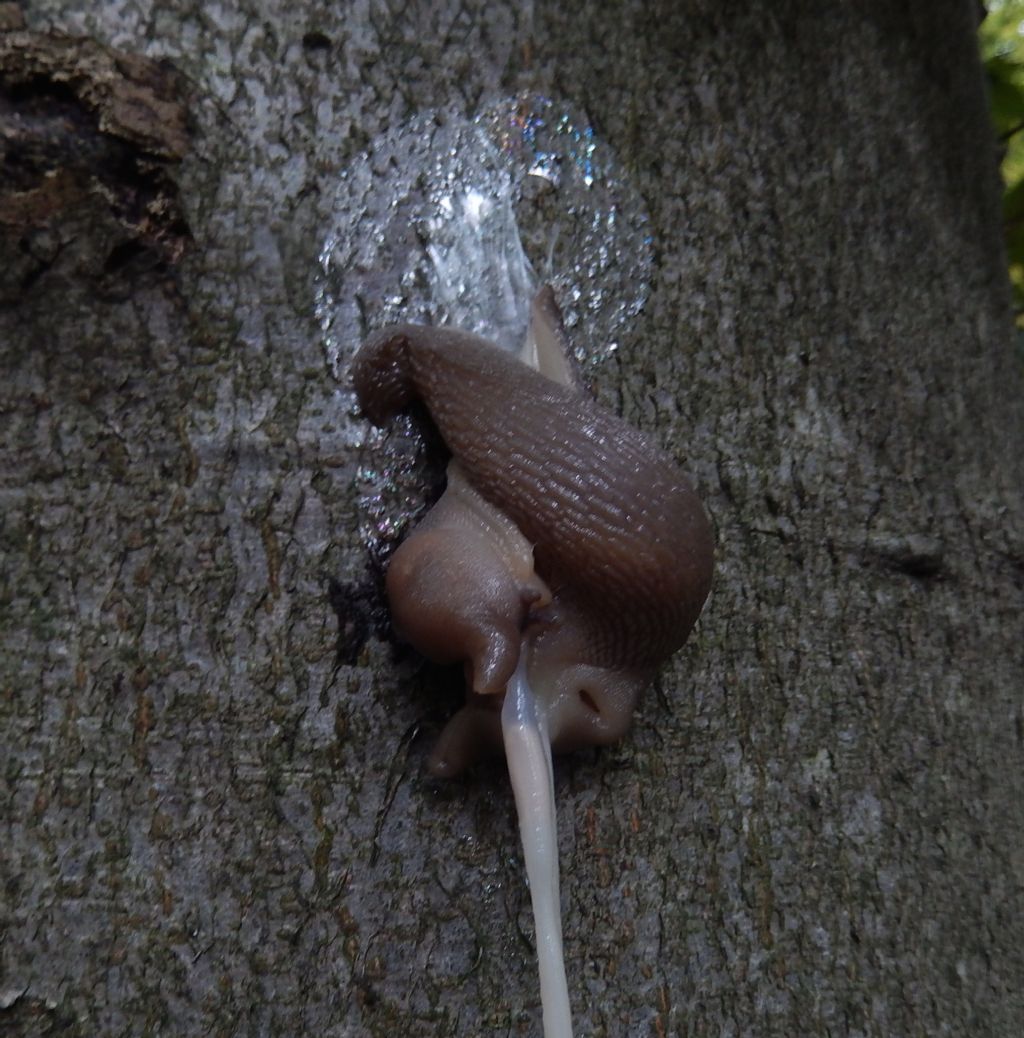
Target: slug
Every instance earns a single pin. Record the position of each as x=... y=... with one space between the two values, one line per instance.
x=567 y=559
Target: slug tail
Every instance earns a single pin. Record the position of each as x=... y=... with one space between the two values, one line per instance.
x=546 y=348
x=528 y=752
x=381 y=375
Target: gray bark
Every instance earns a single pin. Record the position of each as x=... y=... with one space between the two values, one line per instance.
x=211 y=826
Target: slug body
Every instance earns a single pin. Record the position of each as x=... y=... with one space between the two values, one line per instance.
x=621 y=547
x=566 y=560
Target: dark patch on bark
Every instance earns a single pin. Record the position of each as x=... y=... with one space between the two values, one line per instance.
x=916 y=555
x=361 y=612
x=32 y=1016
x=90 y=134
x=316 y=40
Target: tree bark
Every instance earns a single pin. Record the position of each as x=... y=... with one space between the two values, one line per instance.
x=214 y=822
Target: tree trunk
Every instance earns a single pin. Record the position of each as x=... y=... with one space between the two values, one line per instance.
x=215 y=816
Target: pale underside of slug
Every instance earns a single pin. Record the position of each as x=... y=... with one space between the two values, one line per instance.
x=566 y=559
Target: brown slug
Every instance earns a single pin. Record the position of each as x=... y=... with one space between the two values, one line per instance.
x=621 y=547
x=566 y=560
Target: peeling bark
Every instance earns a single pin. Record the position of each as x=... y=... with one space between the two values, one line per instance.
x=88 y=133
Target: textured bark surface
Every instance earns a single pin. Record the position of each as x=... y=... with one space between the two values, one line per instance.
x=210 y=825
